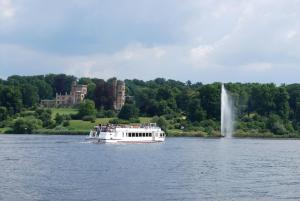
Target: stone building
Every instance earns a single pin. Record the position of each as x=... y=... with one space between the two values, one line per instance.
x=117 y=89
x=78 y=93
x=76 y=96
x=48 y=103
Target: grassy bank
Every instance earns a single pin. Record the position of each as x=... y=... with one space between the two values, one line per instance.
x=61 y=132
x=78 y=127
x=86 y=125
x=182 y=133
x=251 y=128
x=256 y=134
x=75 y=127
x=4 y=130
x=63 y=111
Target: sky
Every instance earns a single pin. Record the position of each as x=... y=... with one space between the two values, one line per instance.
x=198 y=40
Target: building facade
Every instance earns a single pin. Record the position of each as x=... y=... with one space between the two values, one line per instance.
x=79 y=92
x=118 y=90
x=76 y=96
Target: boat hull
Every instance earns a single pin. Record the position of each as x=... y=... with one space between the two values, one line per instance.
x=129 y=141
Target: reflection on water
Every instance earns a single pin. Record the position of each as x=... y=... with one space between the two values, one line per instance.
x=67 y=168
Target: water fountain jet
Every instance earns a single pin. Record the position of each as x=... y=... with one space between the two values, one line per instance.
x=227 y=113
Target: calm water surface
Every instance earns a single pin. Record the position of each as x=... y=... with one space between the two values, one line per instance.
x=67 y=168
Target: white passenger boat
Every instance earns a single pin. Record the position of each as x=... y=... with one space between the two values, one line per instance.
x=127 y=133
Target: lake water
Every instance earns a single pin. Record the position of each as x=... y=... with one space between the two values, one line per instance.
x=68 y=168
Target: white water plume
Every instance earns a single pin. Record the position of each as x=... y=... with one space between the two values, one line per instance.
x=227 y=113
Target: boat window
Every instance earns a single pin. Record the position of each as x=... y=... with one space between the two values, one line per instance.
x=140 y=134
x=150 y=134
x=144 y=134
x=129 y=134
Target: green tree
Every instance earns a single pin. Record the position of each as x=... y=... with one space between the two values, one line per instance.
x=60 y=83
x=30 y=95
x=103 y=96
x=26 y=125
x=45 y=116
x=210 y=100
x=184 y=98
x=3 y=113
x=45 y=91
x=59 y=119
x=129 y=111
x=161 y=122
x=276 y=125
x=281 y=102
x=262 y=99
x=195 y=112
x=87 y=109
x=11 y=98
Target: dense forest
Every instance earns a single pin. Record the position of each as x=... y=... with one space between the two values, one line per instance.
x=260 y=108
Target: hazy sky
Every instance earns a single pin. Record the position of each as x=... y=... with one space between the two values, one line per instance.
x=198 y=40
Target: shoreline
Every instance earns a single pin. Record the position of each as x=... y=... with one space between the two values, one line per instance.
x=196 y=134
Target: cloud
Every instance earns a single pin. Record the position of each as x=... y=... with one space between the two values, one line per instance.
x=206 y=41
x=6 y=9
x=134 y=61
x=258 y=67
x=291 y=35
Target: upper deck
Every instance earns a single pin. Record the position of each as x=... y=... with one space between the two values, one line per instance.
x=152 y=127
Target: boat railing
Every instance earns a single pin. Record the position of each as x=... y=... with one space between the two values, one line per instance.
x=112 y=127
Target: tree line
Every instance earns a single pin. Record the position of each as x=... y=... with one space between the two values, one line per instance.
x=186 y=105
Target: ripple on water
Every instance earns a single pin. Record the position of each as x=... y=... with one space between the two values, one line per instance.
x=70 y=168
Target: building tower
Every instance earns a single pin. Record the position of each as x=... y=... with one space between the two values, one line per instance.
x=120 y=95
